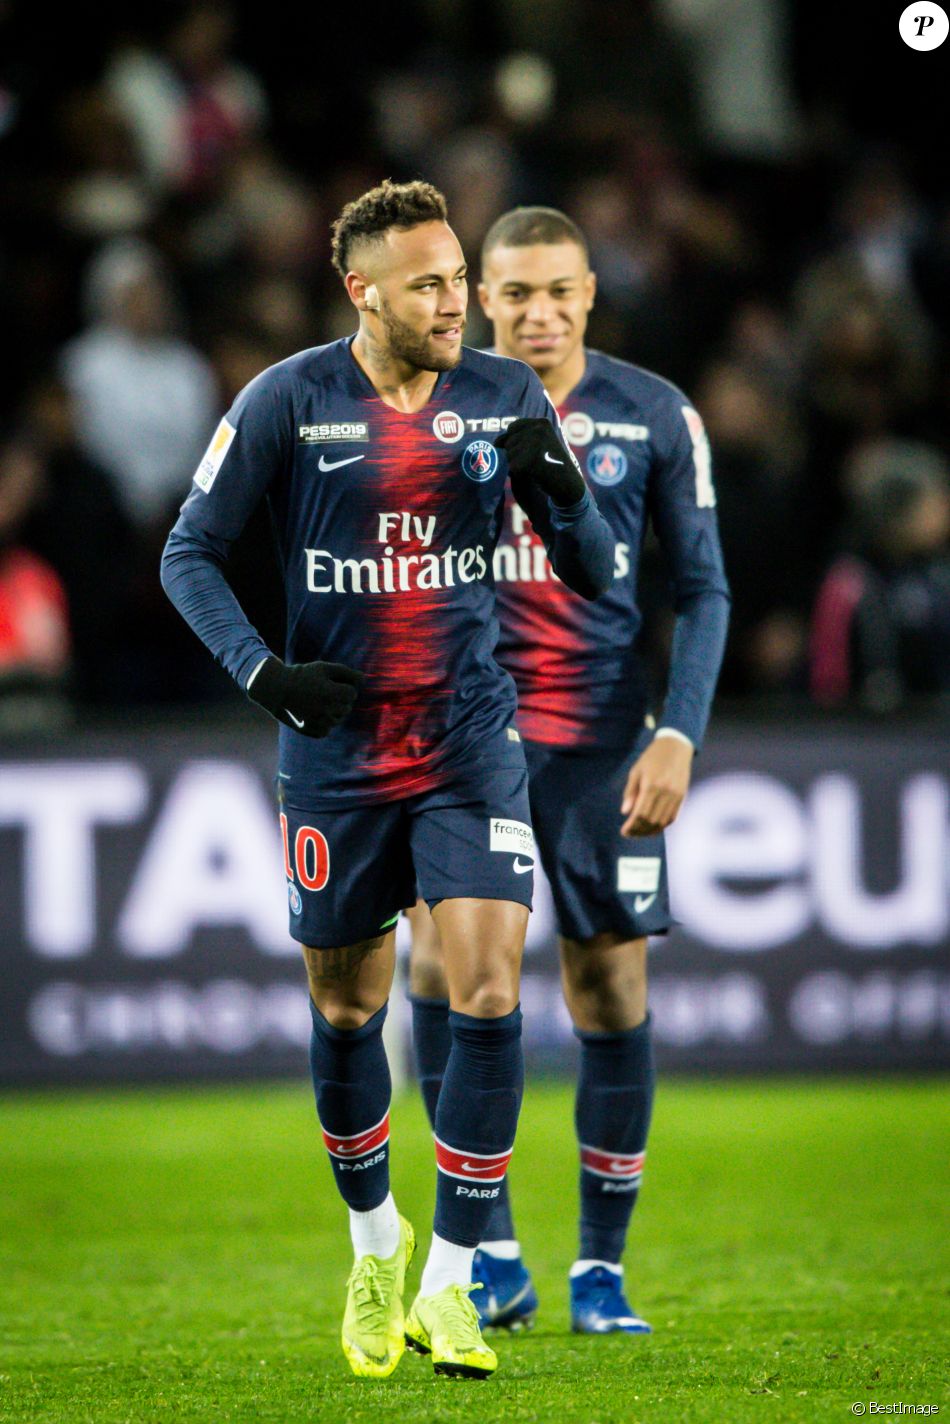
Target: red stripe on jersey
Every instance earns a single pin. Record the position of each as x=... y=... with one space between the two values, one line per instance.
x=404 y=704
x=547 y=633
x=612 y=1164
x=472 y=1166
x=360 y=1143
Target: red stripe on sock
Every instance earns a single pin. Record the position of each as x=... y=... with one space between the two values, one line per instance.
x=360 y=1143
x=612 y=1164
x=472 y=1166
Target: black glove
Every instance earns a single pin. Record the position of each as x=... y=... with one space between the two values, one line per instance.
x=535 y=453
x=312 y=698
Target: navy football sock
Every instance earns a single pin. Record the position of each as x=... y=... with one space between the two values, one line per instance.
x=501 y=1224
x=612 y=1117
x=352 y=1086
x=431 y=1043
x=475 y=1122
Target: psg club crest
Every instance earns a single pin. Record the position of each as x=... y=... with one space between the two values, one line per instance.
x=607 y=464
x=480 y=461
x=293 y=895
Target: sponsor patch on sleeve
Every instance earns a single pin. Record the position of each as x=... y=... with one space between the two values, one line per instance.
x=637 y=873
x=702 y=459
x=512 y=836
x=207 y=471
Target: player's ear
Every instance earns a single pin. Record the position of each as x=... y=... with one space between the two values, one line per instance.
x=361 y=292
x=590 y=288
x=485 y=299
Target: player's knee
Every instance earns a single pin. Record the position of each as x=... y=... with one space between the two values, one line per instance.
x=345 y=1014
x=605 y=983
x=427 y=977
x=489 y=1000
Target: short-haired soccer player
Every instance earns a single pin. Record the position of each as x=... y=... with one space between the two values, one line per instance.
x=385 y=460
x=603 y=784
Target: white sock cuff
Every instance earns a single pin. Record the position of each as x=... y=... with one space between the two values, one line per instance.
x=501 y=1250
x=448 y=1264
x=375 y=1232
x=579 y=1267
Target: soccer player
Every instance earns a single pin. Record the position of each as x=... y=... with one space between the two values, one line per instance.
x=385 y=459
x=603 y=784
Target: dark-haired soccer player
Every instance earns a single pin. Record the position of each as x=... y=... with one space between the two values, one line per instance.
x=385 y=460
x=603 y=784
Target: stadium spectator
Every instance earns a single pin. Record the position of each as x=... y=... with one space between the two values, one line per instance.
x=104 y=194
x=189 y=104
x=76 y=523
x=803 y=237
x=34 y=627
x=145 y=399
x=754 y=435
x=881 y=629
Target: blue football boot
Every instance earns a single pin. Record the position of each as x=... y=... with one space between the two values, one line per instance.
x=599 y=1306
x=507 y=1300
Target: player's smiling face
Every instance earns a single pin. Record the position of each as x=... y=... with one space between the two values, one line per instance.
x=537 y=299
x=420 y=278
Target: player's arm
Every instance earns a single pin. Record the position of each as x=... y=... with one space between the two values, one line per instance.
x=547 y=483
x=248 y=449
x=682 y=503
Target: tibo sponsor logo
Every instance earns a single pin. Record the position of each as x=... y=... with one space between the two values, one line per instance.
x=449 y=427
x=580 y=429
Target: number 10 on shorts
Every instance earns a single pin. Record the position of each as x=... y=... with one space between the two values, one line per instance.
x=311 y=857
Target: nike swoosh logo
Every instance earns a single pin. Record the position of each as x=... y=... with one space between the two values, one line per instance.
x=551 y=460
x=356 y=1149
x=471 y=1167
x=520 y=869
x=325 y=464
x=623 y=1169
x=643 y=902
x=297 y=721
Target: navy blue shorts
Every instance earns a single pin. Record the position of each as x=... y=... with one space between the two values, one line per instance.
x=600 y=880
x=351 y=871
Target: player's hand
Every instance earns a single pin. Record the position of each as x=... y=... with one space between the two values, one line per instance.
x=312 y=698
x=656 y=787
x=536 y=454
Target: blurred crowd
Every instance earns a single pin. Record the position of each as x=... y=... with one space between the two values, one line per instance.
x=762 y=236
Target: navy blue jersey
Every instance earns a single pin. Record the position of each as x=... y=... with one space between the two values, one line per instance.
x=580 y=679
x=386 y=523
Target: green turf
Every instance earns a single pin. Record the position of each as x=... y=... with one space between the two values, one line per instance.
x=181 y=1256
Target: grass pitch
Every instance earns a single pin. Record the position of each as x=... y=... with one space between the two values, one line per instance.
x=181 y=1255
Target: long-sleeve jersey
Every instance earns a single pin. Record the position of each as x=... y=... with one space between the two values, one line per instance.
x=580 y=677
x=386 y=523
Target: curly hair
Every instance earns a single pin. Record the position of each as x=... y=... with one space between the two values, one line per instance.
x=525 y=227
x=401 y=205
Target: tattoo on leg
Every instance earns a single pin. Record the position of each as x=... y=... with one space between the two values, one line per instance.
x=336 y=966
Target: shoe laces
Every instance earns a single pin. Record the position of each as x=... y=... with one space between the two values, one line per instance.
x=368 y=1293
x=460 y=1314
